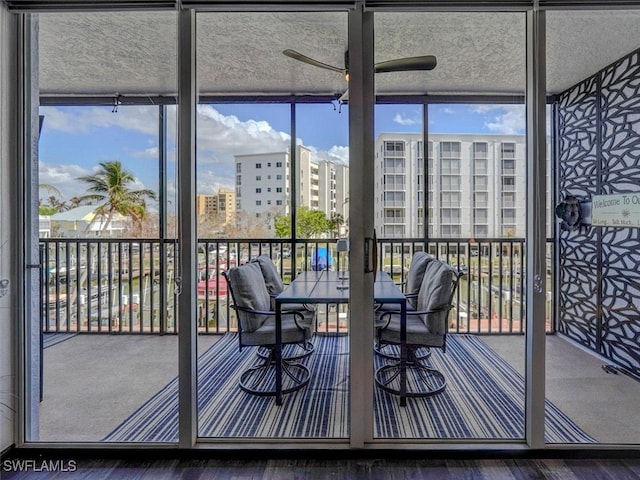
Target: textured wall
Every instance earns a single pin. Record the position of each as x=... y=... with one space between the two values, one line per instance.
x=599 y=153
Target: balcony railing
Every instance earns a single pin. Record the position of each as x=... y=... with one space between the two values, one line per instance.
x=128 y=286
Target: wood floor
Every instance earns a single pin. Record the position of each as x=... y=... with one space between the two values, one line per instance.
x=323 y=467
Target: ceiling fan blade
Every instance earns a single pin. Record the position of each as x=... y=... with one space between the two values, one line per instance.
x=311 y=61
x=409 y=64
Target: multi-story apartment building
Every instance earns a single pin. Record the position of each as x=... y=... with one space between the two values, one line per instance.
x=220 y=207
x=476 y=185
x=263 y=184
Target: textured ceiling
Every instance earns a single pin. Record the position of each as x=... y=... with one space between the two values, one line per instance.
x=241 y=53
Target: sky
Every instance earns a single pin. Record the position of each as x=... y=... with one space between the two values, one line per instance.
x=74 y=140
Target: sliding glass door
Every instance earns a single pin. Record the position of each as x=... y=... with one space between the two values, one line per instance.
x=450 y=182
x=272 y=183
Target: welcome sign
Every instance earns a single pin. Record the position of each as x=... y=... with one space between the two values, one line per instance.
x=620 y=210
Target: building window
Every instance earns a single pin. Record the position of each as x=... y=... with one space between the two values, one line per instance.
x=480 y=215
x=258 y=202
x=238 y=167
x=258 y=165
x=450 y=230
x=508 y=150
x=450 y=199
x=450 y=165
x=480 y=150
x=268 y=164
x=449 y=149
x=268 y=189
x=258 y=178
x=480 y=183
x=508 y=215
x=258 y=190
x=508 y=166
x=278 y=202
x=450 y=215
x=508 y=184
x=481 y=199
x=394 y=182
x=268 y=202
x=480 y=166
x=278 y=177
x=278 y=164
x=278 y=189
x=394 y=148
x=394 y=199
x=480 y=230
x=450 y=182
x=509 y=199
x=238 y=179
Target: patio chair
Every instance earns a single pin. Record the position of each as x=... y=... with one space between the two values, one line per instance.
x=275 y=285
x=418 y=265
x=425 y=327
x=257 y=328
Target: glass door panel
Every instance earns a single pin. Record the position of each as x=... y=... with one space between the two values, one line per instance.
x=250 y=188
x=438 y=188
x=107 y=328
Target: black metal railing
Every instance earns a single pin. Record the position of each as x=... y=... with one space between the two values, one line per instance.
x=128 y=285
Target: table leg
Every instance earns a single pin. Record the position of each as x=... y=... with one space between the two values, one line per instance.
x=278 y=353
x=403 y=354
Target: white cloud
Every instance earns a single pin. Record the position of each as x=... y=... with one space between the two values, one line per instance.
x=64 y=178
x=221 y=137
x=507 y=119
x=141 y=119
x=485 y=108
x=510 y=121
x=151 y=152
x=448 y=110
x=402 y=119
x=336 y=154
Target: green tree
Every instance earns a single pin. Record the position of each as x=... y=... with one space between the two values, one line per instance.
x=282 y=226
x=309 y=224
x=111 y=189
x=335 y=222
x=47 y=210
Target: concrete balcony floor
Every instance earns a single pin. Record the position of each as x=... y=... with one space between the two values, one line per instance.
x=92 y=383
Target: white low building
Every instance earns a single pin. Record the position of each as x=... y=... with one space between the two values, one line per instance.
x=82 y=222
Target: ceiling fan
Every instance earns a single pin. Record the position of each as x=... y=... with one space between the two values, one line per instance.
x=407 y=64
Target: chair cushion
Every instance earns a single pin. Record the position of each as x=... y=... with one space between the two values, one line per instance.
x=434 y=293
x=270 y=273
x=417 y=268
x=249 y=291
x=424 y=329
x=291 y=333
x=417 y=332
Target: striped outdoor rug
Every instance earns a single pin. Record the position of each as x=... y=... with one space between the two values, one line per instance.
x=484 y=399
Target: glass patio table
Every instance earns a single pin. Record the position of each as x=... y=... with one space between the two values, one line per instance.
x=314 y=287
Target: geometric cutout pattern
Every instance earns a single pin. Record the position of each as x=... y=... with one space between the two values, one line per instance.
x=599 y=154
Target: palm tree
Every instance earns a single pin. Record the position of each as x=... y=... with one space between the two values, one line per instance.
x=110 y=188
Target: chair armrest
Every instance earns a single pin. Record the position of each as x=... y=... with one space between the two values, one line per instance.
x=413 y=313
x=296 y=314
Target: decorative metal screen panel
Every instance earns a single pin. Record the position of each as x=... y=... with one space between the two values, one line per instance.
x=599 y=153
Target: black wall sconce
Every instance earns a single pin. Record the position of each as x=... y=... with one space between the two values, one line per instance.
x=574 y=212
